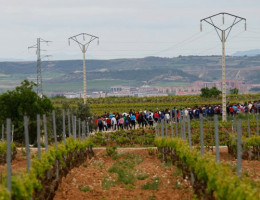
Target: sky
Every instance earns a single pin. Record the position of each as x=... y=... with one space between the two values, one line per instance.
x=126 y=28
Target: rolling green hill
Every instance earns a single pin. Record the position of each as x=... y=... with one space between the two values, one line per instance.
x=157 y=71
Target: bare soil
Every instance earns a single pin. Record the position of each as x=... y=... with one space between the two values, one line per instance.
x=91 y=175
x=19 y=164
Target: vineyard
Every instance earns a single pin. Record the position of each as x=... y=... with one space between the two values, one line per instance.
x=130 y=100
x=210 y=180
x=121 y=104
x=190 y=159
x=60 y=154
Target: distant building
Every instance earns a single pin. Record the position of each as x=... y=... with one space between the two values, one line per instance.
x=166 y=90
x=72 y=95
x=98 y=94
x=56 y=94
x=147 y=91
x=194 y=88
x=143 y=91
x=116 y=89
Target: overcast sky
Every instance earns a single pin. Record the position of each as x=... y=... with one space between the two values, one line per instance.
x=127 y=28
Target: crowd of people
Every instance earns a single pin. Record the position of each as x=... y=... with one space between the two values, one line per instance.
x=131 y=119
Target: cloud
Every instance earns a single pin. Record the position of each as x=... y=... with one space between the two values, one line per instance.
x=127 y=28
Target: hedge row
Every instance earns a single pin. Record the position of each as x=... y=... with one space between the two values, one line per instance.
x=211 y=180
x=42 y=176
x=3 y=151
x=250 y=147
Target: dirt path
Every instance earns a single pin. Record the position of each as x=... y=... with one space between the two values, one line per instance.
x=94 y=181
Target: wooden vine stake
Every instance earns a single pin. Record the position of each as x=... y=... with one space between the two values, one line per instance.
x=216 y=137
x=39 y=136
x=9 y=156
x=201 y=136
x=239 y=148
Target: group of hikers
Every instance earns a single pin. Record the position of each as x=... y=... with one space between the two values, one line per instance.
x=129 y=120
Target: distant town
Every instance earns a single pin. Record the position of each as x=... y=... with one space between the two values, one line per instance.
x=147 y=91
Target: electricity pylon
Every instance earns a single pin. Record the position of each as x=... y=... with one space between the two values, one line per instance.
x=223 y=38
x=39 y=68
x=84 y=46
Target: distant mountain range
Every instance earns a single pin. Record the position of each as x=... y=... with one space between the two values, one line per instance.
x=10 y=60
x=253 y=52
x=155 y=71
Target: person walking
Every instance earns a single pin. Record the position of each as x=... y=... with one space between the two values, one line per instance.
x=108 y=120
x=113 y=122
x=133 y=120
x=121 y=123
x=156 y=117
x=150 y=118
x=127 y=121
x=100 y=124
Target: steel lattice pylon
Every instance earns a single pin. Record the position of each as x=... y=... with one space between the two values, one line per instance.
x=39 y=68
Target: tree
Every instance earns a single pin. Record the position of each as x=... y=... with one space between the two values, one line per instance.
x=207 y=93
x=234 y=91
x=81 y=111
x=214 y=92
x=23 y=100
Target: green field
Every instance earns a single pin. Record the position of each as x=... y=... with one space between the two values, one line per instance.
x=121 y=104
x=91 y=85
x=62 y=87
x=170 y=84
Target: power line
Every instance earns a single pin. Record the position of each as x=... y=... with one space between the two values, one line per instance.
x=37 y=46
x=179 y=43
x=186 y=41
